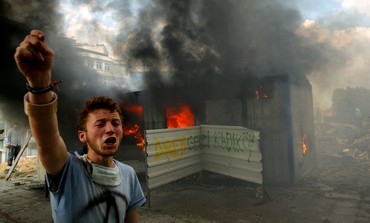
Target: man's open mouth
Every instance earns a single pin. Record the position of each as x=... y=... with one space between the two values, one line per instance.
x=110 y=140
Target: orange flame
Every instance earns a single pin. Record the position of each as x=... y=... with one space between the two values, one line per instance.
x=303 y=142
x=136 y=109
x=136 y=133
x=180 y=117
x=259 y=95
x=134 y=129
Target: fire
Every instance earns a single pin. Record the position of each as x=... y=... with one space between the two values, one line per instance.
x=260 y=95
x=180 y=117
x=303 y=142
x=136 y=109
x=134 y=129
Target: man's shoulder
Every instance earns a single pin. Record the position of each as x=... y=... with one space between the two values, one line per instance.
x=120 y=164
x=74 y=160
x=125 y=169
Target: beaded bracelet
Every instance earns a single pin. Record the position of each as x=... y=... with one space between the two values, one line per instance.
x=43 y=90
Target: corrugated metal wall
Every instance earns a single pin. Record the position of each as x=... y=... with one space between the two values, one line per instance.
x=154 y=114
x=232 y=151
x=282 y=118
x=173 y=154
x=231 y=110
x=271 y=117
x=302 y=123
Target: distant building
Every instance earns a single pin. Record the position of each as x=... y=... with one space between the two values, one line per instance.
x=96 y=57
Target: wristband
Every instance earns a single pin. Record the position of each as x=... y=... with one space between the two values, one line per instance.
x=38 y=90
x=40 y=110
x=43 y=90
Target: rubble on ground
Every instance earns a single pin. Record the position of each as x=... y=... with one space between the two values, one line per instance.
x=26 y=166
x=342 y=142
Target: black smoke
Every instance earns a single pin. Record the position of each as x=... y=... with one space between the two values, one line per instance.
x=12 y=85
x=17 y=19
x=214 y=48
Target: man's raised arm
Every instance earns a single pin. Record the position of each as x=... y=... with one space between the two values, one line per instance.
x=34 y=59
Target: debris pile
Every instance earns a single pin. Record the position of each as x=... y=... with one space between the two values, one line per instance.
x=339 y=143
x=26 y=166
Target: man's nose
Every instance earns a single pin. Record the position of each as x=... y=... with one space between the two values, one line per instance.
x=109 y=127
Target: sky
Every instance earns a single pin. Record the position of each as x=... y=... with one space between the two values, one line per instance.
x=345 y=25
x=337 y=14
x=315 y=9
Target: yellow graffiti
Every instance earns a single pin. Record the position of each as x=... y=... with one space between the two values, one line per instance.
x=170 y=148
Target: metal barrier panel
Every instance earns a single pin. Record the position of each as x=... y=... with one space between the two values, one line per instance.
x=172 y=154
x=233 y=151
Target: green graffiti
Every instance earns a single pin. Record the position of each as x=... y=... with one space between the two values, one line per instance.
x=195 y=142
x=233 y=142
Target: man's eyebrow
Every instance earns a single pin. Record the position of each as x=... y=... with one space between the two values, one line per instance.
x=116 y=120
x=100 y=120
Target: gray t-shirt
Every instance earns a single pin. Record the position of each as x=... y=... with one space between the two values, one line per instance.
x=78 y=199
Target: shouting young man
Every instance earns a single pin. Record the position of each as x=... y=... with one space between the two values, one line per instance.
x=93 y=187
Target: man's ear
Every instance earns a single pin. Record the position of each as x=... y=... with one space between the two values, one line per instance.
x=82 y=136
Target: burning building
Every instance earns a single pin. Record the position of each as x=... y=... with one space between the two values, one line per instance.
x=232 y=74
x=224 y=61
x=279 y=108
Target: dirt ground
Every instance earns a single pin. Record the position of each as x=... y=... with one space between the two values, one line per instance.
x=336 y=190
x=221 y=199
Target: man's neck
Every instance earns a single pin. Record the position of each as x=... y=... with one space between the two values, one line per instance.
x=100 y=160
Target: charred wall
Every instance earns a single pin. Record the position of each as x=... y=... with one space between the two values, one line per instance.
x=283 y=117
x=280 y=108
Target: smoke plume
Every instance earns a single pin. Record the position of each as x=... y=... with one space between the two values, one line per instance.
x=212 y=48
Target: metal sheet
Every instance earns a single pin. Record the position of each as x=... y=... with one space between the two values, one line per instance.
x=232 y=151
x=282 y=118
x=230 y=108
x=173 y=154
x=272 y=117
x=302 y=124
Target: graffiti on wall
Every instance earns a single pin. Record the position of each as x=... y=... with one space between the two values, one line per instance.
x=176 y=146
x=230 y=141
